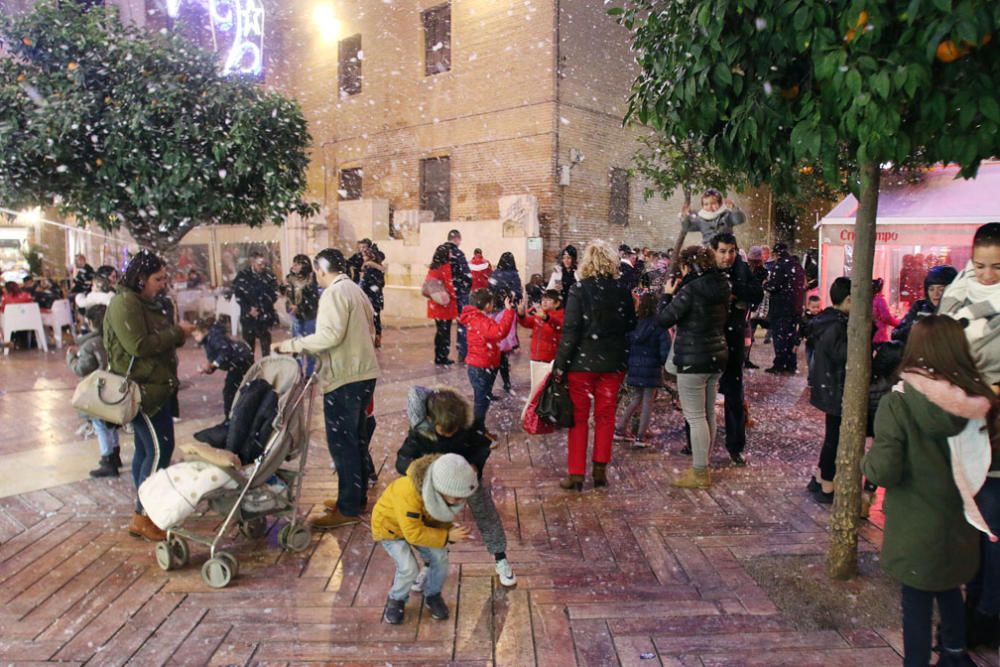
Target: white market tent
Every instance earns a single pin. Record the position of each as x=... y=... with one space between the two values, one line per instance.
x=919 y=225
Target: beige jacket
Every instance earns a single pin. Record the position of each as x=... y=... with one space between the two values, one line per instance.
x=344 y=338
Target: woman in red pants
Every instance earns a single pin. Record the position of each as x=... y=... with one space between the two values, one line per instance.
x=593 y=357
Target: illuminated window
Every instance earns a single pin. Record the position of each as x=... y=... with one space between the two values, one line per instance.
x=435 y=187
x=349 y=69
x=437 y=39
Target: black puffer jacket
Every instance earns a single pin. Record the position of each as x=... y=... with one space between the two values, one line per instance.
x=828 y=334
x=599 y=314
x=699 y=310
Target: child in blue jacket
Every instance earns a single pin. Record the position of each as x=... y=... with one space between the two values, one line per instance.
x=224 y=353
x=649 y=346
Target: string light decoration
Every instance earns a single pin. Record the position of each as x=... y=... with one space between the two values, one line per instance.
x=242 y=22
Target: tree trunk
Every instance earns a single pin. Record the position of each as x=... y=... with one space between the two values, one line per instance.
x=842 y=557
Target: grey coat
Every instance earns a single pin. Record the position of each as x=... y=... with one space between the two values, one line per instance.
x=90 y=355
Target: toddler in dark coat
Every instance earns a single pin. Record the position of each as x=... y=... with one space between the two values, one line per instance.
x=224 y=353
x=649 y=346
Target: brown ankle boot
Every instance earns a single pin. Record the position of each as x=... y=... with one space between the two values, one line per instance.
x=600 y=474
x=572 y=483
x=142 y=526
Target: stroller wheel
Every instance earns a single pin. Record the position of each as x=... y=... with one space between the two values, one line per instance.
x=296 y=539
x=234 y=565
x=254 y=528
x=172 y=554
x=216 y=572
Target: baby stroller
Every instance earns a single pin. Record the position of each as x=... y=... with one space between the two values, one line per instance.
x=252 y=493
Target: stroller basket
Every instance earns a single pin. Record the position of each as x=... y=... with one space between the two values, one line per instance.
x=260 y=490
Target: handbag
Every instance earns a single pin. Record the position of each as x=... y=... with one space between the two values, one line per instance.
x=435 y=290
x=530 y=421
x=554 y=403
x=108 y=396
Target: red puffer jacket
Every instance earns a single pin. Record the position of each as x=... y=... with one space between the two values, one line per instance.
x=484 y=336
x=436 y=311
x=545 y=335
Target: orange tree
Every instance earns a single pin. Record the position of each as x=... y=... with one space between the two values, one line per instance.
x=124 y=127
x=836 y=83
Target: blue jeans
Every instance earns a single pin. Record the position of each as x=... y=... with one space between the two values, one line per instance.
x=461 y=346
x=482 y=380
x=407 y=568
x=344 y=410
x=304 y=329
x=107 y=436
x=918 y=609
x=986 y=585
x=161 y=427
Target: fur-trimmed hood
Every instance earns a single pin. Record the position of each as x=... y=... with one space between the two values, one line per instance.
x=417 y=471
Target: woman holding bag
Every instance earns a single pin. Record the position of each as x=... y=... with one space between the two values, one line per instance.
x=438 y=287
x=141 y=342
x=593 y=356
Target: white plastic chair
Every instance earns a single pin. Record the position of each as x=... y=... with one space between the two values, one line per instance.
x=23 y=317
x=231 y=309
x=60 y=316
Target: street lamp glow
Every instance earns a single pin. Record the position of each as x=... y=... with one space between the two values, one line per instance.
x=326 y=21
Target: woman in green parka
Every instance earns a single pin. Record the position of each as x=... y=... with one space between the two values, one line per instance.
x=142 y=343
x=929 y=545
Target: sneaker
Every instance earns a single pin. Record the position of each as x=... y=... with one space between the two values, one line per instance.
x=640 y=444
x=737 y=460
x=444 y=362
x=813 y=486
x=332 y=519
x=394 y=611
x=823 y=498
x=623 y=436
x=437 y=607
x=418 y=585
x=506 y=574
x=177 y=420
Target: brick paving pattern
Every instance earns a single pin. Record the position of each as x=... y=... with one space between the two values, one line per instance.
x=638 y=574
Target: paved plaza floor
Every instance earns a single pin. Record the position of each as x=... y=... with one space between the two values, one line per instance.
x=637 y=574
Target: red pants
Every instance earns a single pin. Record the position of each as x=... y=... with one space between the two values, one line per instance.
x=603 y=388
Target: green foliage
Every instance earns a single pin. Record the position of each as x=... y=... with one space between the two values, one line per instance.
x=33 y=256
x=774 y=83
x=669 y=163
x=119 y=126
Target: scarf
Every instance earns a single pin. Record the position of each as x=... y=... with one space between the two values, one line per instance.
x=968 y=299
x=970 y=450
x=710 y=216
x=434 y=503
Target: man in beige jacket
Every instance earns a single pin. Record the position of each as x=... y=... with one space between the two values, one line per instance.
x=344 y=345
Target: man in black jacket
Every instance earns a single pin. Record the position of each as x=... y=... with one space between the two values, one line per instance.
x=746 y=291
x=255 y=290
x=461 y=278
x=787 y=285
x=828 y=332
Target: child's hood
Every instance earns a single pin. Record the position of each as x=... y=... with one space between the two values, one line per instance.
x=470 y=314
x=418 y=471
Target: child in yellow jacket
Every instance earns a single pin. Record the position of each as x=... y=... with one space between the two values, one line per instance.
x=418 y=512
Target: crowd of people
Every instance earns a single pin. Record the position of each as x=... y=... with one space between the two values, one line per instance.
x=614 y=327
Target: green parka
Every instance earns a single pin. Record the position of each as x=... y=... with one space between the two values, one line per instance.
x=139 y=328
x=928 y=544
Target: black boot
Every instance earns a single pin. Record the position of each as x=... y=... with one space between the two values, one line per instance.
x=105 y=468
x=116 y=457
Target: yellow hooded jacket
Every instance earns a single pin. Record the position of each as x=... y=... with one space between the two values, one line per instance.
x=399 y=513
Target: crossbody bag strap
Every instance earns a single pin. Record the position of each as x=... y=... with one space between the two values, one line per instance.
x=131 y=363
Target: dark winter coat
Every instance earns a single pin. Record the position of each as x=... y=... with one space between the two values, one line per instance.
x=252 y=420
x=699 y=310
x=805 y=329
x=927 y=543
x=303 y=293
x=373 y=285
x=506 y=281
x=600 y=312
x=787 y=284
x=140 y=328
x=629 y=275
x=354 y=264
x=545 y=333
x=918 y=309
x=471 y=445
x=461 y=275
x=649 y=346
x=826 y=379
x=225 y=353
x=258 y=290
x=83 y=280
x=747 y=291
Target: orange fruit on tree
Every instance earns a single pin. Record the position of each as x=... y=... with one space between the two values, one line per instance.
x=947 y=52
x=26 y=41
x=851 y=32
x=862 y=19
x=987 y=38
x=790 y=93
x=806 y=170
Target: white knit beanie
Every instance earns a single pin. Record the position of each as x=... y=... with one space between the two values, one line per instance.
x=453 y=476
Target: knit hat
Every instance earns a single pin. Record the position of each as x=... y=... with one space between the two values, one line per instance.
x=942 y=274
x=453 y=476
x=755 y=252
